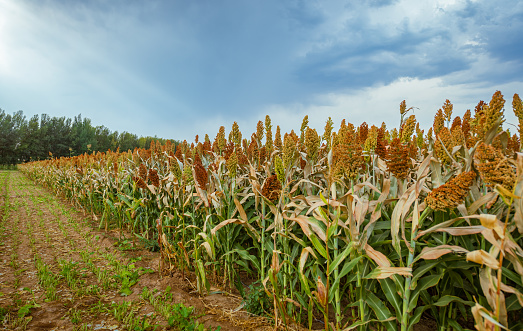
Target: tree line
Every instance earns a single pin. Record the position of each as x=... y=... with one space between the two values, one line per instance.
x=43 y=136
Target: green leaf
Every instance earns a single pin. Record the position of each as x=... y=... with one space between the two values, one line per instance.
x=347 y=267
x=360 y=323
x=414 y=319
x=512 y=303
x=319 y=247
x=382 y=312
x=512 y=276
x=246 y=256
x=423 y=284
x=454 y=324
x=389 y=288
x=421 y=270
x=446 y=299
x=338 y=259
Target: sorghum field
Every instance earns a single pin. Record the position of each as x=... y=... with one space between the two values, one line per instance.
x=363 y=228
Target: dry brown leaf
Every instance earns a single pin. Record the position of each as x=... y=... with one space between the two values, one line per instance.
x=483 y=258
x=386 y=272
x=432 y=253
x=378 y=257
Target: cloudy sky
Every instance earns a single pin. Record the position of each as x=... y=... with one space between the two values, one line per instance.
x=180 y=68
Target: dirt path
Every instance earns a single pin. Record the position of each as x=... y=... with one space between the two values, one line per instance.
x=58 y=273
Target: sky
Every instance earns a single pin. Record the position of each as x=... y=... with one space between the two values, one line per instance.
x=174 y=69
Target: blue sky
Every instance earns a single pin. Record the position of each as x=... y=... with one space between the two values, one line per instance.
x=180 y=68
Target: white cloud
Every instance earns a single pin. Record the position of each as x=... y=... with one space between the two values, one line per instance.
x=378 y=104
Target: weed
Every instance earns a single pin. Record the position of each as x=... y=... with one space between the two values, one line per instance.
x=75 y=315
x=256 y=300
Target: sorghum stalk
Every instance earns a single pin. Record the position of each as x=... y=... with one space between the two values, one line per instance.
x=406 y=299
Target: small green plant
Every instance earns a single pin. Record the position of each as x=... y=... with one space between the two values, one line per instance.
x=256 y=300
x=3 y=313
x=128 y=276
x=75 y=315
x=124 y=245
x=26 y=309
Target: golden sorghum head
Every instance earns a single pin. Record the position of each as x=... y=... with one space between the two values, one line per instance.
x=443 y=141
x=187 y=174
x=207 y=148
x=262 y=155
x=142 y=172
x=278 y=168
x=347 y=158
x=140 y=183
x=303 y=163
x=394 y=134
x=175 y=168
x=259 y=132
x=199 y=149
x=327 y=133
x=252 y=150
x=494 y=111
x=197 y=159
x=312 y=143
x=220 y=139
x=429 y=134
x=229 y=149
x=517 y=106
x=407 y=129
x=201 y=175
x=271 y=188
x=196 y=138
x=152 y=146
x=236 y=135
x=398 y=161
x=455 y=123
x=289 y=151
x=294 y=136
x=268 y=135
x=277 y=139
x=178 y=153
x=447 y=110
x=372 y=137
x=363 y=132
x=420 y=140
x=403 y=107
x=153 y=176
x=456 y=135
x=381 y=144
x=232 y=163
x=303 y=128
x=242 y=158
x=439 y=122
x=478 y=110
x=452 y=193
x=465 y=126
x=513 y=143
x=115 y=169
x=494 y=167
